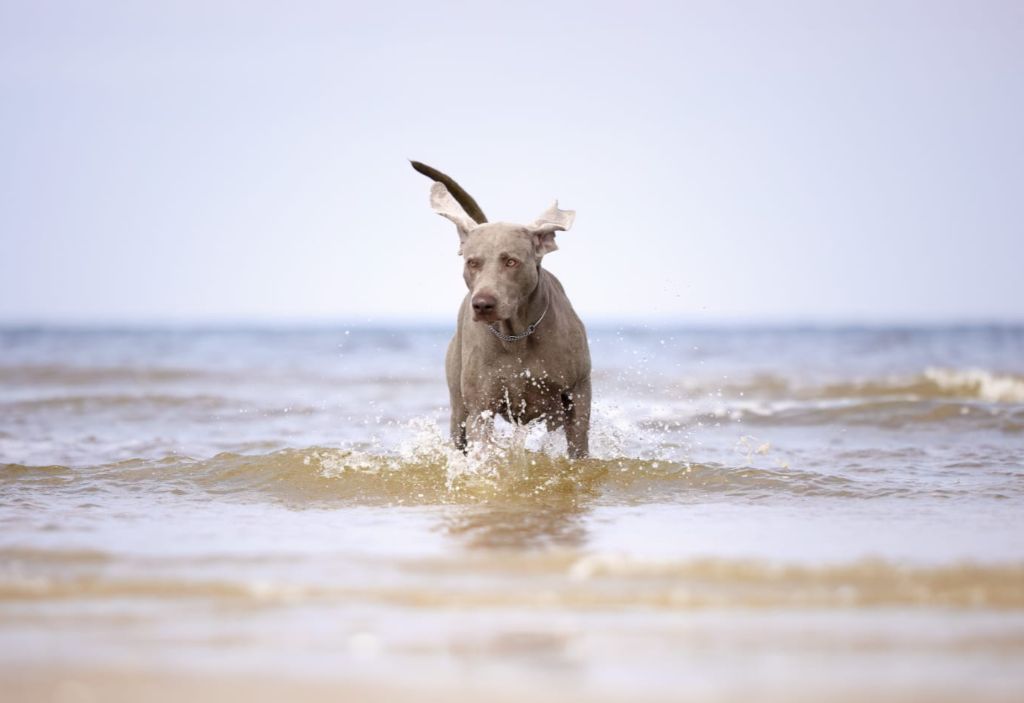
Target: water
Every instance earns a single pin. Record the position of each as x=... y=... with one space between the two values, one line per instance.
x=771 y=514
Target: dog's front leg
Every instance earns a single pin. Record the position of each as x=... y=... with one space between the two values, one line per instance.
x=577 y=419
x=458 y=427
x=453 y=372
x=458 y=419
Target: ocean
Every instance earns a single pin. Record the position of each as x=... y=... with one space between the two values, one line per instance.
x=276 y=514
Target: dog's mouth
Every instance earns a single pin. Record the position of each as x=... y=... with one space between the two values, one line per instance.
x=488 y=317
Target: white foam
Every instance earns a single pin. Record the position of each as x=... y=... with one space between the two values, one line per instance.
x=614 y=433
x=978 y=383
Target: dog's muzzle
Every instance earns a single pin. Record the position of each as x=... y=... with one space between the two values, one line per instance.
x=484 y=306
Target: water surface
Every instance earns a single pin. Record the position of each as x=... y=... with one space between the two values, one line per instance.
x=768 y=514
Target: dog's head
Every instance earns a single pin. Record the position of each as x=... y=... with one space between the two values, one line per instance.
x=502 y=259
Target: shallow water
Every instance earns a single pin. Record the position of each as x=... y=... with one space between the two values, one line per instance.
x=768 y=514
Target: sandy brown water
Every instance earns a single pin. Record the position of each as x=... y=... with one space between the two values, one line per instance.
x=787 y=514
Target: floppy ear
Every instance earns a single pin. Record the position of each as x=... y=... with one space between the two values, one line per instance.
x=544 y=227
x=446 y=206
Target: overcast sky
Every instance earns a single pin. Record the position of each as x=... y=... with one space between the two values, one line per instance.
x=756 y=161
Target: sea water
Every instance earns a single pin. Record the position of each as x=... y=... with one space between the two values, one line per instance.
x=268 y=514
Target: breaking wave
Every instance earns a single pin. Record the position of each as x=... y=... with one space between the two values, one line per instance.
x=932 y=383
x=433 y=474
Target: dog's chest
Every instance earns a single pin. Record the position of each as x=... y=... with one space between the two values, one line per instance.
x=525 y=392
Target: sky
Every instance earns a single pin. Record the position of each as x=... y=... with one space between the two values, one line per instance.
x=764 y=162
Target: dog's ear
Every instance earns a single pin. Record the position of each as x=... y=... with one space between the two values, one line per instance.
x=447 y=206
x=544 y=227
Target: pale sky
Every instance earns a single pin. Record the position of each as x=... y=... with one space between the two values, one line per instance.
x=758 y=161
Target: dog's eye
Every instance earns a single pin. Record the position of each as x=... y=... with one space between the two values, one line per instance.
x=473 y=263
x=511 y=263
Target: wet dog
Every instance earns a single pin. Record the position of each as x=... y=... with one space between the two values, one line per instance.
x=519 y=350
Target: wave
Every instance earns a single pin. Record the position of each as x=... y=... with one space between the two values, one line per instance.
x=488 y=579
x=114 y=401
x=67 y=375
x=932 y=383
x=960 y=399
x=885 y=413
x=71 y=376
x=937 y=383
x=432 y=474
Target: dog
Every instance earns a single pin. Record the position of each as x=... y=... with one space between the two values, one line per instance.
x=520 y=351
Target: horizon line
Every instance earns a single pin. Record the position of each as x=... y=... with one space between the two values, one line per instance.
x=374 y=322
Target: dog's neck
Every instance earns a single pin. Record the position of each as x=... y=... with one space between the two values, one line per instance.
x=530 y=310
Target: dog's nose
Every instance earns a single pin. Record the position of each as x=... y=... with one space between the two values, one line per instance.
x=484 y=303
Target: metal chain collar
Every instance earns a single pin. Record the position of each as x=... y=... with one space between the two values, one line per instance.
x=516 y=337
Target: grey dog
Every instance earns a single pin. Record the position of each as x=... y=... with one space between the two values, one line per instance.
x=519 y=350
